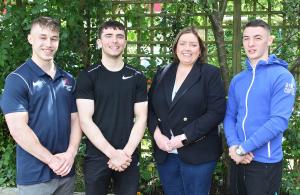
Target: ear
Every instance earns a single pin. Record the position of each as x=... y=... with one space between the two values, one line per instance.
x=99 y=43
x=29 y=38
x=270 y=40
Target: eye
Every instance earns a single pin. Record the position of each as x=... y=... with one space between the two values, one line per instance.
x=108 y=36
x=120 y=36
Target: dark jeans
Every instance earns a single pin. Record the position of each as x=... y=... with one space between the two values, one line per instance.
x=180 y=178
x=256 y=178
x=98 y=177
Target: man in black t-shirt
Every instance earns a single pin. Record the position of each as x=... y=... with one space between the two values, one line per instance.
x=112 y=106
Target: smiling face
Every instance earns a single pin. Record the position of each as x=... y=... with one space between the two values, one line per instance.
x=44 y=42
x=256 y=42
x=112 y=42
x=188 y=49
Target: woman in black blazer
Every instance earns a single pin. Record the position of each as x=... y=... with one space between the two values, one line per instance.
x=186 y=105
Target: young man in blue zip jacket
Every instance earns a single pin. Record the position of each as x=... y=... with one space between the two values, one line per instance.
x=260 y=103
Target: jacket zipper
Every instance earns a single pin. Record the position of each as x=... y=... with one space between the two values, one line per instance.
x=246 y=103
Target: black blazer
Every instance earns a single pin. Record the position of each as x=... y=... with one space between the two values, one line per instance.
x=196 y=110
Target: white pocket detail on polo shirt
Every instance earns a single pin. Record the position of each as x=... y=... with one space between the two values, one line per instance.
x=37 y=85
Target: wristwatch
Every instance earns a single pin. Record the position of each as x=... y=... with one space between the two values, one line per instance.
x=240 y=151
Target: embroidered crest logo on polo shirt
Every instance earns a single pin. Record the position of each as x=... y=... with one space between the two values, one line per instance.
x=67 y=84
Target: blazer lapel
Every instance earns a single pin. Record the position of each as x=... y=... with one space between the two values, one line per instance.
x=168 y=83
x=190 y=80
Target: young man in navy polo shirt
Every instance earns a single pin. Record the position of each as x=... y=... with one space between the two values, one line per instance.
x=40 y=110
x=112 y=106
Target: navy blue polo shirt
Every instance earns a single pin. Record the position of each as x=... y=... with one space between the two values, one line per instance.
x=49 y=104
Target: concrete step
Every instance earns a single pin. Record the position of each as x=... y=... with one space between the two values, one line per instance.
x=13 y=191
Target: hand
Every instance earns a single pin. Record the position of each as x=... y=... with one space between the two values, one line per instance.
x=162 y=141
x=233 y=155
x=55 y=163
x=176 y=142
x=119 y=161
x=66 y=167
x=246 y=159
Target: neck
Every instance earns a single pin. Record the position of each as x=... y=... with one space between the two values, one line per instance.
x=46 y=66
x=254 y=62
x=185 y=66
x=113 y=64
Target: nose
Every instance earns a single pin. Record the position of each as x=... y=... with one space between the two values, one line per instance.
x=251 y=42
x=114 y=39
x=48 y=42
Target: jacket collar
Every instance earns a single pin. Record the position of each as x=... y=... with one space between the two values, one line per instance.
x=190 y=80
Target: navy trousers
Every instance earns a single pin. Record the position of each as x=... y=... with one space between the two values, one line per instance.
x=180 y=178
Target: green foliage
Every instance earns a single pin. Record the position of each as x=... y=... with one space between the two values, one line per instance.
x=7 y=157
x=149 y=181
x=291 y=147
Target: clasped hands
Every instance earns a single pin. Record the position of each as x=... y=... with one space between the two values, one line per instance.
x=166 y=144
x=62 y=163
x=246 y=159
x=119 y=160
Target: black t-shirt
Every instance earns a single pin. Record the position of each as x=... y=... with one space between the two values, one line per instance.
x=114 y=95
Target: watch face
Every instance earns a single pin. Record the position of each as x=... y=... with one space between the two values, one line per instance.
x=184 y=142
x=239 y=152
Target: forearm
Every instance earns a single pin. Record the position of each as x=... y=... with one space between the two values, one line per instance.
x=136 y=134
x=230 y=130
x=75 y=136
x=95 y=136
x=26 y=139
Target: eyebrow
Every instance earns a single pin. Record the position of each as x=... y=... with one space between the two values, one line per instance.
x=47 y=35
x=188 y=41
x=245 y=36
x=112 y=34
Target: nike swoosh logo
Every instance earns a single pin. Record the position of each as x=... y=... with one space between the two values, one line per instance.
x=124 y=77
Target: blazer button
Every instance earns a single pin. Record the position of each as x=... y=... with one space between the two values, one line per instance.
x=159 y=119
x=185 y=119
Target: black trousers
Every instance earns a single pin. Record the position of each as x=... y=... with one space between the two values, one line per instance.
x=255 y=178
x=98 y=177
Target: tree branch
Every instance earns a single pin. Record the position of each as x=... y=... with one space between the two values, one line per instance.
x=223 y=9
x=295 y=65
x=284 y=41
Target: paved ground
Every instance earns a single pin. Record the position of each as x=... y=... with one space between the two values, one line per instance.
x=13 y=191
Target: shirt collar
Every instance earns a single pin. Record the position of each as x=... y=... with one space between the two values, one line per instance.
x=40 y=72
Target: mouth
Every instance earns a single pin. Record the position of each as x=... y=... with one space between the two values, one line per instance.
x=186 y=54
x=48 y=51
x=251 y=51
x=114 y=47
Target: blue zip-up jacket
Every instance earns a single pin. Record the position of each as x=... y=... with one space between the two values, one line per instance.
x=260 y=103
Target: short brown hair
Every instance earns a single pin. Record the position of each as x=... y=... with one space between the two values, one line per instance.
x=258 y=23
x=196 y=32
x=111 y=24
x=47 y=22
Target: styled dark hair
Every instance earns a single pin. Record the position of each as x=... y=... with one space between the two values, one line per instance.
x=110 y=24
x=47 y=22
x=258 y=23
x=197 y=33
